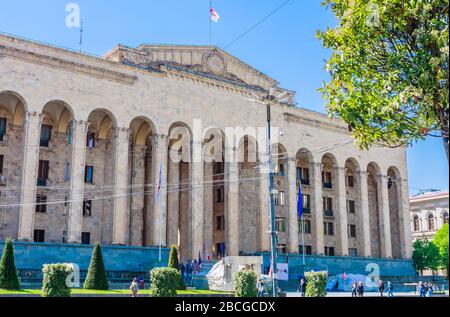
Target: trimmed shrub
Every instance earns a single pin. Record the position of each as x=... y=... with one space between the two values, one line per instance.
x=55 y=280
x=173 y=259
x=164 y=282
x=8 y=273
x=245 y=284
x=316 y=284
x=96 y=278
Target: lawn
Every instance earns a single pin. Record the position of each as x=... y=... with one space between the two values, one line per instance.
x=110 y=292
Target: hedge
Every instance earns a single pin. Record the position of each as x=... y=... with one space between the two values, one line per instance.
x=316 y=284
x=164 y=282
x=245 y=284
x=55 y=282
x=8 y=274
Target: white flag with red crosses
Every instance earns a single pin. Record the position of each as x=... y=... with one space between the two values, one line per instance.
x=214 y=15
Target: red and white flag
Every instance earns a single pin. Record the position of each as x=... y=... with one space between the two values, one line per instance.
x=214 y=15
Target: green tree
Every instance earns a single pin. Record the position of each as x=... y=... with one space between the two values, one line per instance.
x=245 y=284
x=8 y=273
x=425 y=256
x=96 y=278
x=441 y=241
x=389 y=70
x=173 y=258
x=316 y=284
x=164 y=282
x=54 y=283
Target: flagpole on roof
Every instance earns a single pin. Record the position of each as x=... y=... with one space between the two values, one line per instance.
x=210 y=23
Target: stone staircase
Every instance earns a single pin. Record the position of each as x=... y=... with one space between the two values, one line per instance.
x=199 y=281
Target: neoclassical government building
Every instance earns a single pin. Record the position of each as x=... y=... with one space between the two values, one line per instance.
x=87 y=146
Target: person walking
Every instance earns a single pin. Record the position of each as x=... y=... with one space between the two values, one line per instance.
x=429 y=290
x=354 y=289
x=381 y=287
x=261 y=289
x=421 y=289
x=302 y=287
x=360 y=289
x=390 y=289
x=134 y=287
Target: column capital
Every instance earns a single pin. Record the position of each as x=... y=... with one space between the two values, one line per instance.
x=29 y=115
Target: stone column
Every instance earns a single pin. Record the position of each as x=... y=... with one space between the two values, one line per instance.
x=173 y=197
x=383 y=204
x=198 y=195
x=232 y=202
x=209 y=207
x=121 y=217
x=30 y=161
x=406 y=222
x=159 y=161
x=317 y=200
x=342 y=205
x=365 y=218
x=264 y=202
x=77 y=167
x=293 y=198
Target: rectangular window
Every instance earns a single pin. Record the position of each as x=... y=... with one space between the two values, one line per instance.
x=353 y=252
x=306 y=225
x=41 y=203
x=86 y=238
x=67 y=172
x=69 y=135
x=280 y=198
x=328 y=206
x=39 y=236
x=89 y=175
x=2 y=128
x=280 y=224
x=328 y=228
x=87 y=208
x=306 y=204
x=351 y=206
x=220 y=223
x=46 y=135
x=218 y=168
x=43 y=172
x=308 y=249
x=219 y=195
x=327 y=180
x=329 y=251
x=90 y=140
x=304 y=176
x=352 y=231
x=350 y=181
x=281 y=248
x=2 y=158
x=280 y=170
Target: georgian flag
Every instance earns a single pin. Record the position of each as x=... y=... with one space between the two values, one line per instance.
x=214 y=15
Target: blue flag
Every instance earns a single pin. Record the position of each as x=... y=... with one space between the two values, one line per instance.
x=300 y=203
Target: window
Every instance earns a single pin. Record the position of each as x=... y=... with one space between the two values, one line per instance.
x=46 y=135
x=416 y=223
x=220 y=223
x=89 y=175
x=87 y=208
x=445 y=217
x=303 y=175
x=352 y=231
x=41 y=203
x=353 y=252
x=329 y=251
x=306 y=225
x=43 y=172
x=390 y=182
x=2 y=158
x=86 y=238
x=2 y=128
x=328 y=206
x=69 y=135
x=280 y=171
x=280 y=224
x=328 y=228
x=308 y=249
x=218 y=167
x=431 y=223
x=90 y=140
x=306 y=204
x=39 y=236
x=219 y=195
x=350 y=181
x=280 y=198
x=281 y=248
x=327 y=180
x=351 y=206
x=67 y=172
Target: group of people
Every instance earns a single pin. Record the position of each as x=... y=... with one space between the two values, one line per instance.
x=425 y=289
x=358 y=289
x=191 y=268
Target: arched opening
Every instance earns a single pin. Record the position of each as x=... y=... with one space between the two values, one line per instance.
x=98 y=204
x=354 y=219
x=431 y=222
x=12 y=118
x=306 y=225
x=179 y=189
x=54 y=171
x=374 y=213
x=394 y=193
x=249 y=217
x=140 y=164
x=416 y=222
x=445 y=217
x=330 y=205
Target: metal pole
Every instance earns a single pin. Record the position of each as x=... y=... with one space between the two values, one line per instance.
x=272 y=205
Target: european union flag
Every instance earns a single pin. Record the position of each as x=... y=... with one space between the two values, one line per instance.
x=300 y=203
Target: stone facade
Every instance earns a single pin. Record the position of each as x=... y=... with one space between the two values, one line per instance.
x=112 y=124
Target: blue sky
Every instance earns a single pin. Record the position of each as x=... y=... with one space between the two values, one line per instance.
x=284 y=47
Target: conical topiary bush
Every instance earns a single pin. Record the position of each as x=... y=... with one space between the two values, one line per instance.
x=96 y=277
x=173 y=259
x=8 y=273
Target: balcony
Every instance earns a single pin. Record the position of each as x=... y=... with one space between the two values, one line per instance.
x=328 y=213
x=328 y=185
x=41 y=182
